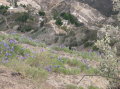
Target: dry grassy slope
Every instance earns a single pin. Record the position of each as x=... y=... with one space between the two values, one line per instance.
x=59 y=81
x=10 y=79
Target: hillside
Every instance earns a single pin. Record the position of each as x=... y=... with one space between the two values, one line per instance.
x=59 y=44
x=58 y=67
x=55 y=27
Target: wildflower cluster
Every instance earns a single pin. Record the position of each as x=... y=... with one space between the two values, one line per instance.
x=9 y=49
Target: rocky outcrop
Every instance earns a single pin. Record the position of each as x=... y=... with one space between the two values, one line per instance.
x=104 y=6
x=83 y=12
x=4 y=2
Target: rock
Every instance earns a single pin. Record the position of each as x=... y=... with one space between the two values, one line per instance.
x=29 y=2
x=4 y=2
x=45 y=34
x=17 y=10
x=110 y=20
x=15 y=28
x=104 y=6
x=83 y=12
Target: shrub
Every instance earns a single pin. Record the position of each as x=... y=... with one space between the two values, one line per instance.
x=22 y=5
x=41 y=13
x=71 y=18
x=3 y=9
x=65 y=16
x=58 y=22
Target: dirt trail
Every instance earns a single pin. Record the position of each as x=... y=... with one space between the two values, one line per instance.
x=60 y=80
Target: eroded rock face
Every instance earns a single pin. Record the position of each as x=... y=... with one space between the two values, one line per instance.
x=52 y=34
x=104 y=6
x=87 y=11
x=83 y=12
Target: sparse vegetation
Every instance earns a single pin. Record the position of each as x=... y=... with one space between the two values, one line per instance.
x=64 y=66
x=70 y=86
x=66 y=16
x=92 y=87
x=25 y=28
x=90 y=55
x=58 y=22
x=41 y=13
x=23 y=17
x=3 y=9
x=109 y=66
x=15 y=56
x=72 y=19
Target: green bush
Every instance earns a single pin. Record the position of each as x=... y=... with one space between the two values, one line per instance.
x=71 y=18
x=3 y=9
x=65 y=16
x=59 y=21
x=41 y=13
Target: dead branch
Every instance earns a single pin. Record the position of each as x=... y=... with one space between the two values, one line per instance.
x=97 y=75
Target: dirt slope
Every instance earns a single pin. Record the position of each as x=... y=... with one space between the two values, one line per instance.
x=13 y=80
